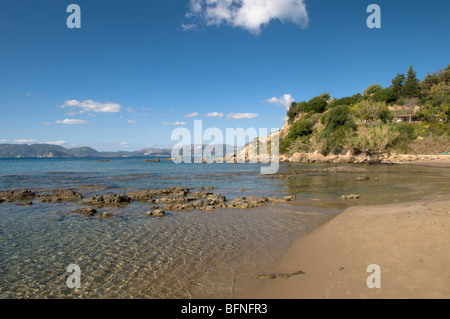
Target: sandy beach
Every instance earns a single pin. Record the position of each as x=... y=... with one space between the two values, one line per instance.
x=409 y=241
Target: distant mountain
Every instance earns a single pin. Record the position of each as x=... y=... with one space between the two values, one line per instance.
x=47 y=150
x=218 y=150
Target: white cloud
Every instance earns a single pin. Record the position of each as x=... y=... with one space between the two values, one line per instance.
x=174 y=123
x=92 y=106
x=124 y=144
x=72 y=122
x=46 y=123
x=188 y=27
x=132 y=122
x=195 y=114
x=249 y=14
x=285 y=100
x=25 y=141
x=214 y=114
x=3 y=141
x=242 y=116
x=56 y=142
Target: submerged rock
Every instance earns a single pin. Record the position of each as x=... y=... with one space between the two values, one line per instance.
x=352 y=196
x=173 y=199
x=86 y=211
x=345 y=169
x=279 y=275
x=107 y=200
x=60 y=196
x=105 y=215
x=156 y=213
x=148 y=194
x=11 y=196
x=27 y=203
x=248 y=202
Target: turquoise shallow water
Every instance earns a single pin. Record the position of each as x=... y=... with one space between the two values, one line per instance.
x=195 y=254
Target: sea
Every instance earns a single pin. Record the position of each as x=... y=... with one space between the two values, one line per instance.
x=183 y=255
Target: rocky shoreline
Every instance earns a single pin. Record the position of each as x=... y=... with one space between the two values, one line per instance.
x=169 y=199
x=363 y=158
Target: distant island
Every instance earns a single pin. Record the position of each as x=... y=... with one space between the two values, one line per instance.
x=56 y=151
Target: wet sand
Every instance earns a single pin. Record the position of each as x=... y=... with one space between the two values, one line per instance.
x=409 y=241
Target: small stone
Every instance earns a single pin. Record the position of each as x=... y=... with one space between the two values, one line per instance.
x=156 y=213
x=28 y=203
x=352 y=196
x=86 y=211
x=105 y=214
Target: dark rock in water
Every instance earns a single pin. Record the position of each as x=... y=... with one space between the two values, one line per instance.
x=60 y=196
x=363 y=178
x=105 y=215
x=248 y=202
x=107 y=200
x=143 y=195
x=156 y=160
x=154 y=207
x=86 y=211
x=352 y=196
x=288 y=198
x=27 y=203
x=11 y=196
x=345 y=169
x=156 y=213
x=206 y=188
x=148 y=194
x=199 y=195
x=179 y=207
x=173 y=199
x=279 y=275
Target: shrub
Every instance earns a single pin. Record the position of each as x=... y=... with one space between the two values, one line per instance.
x=385 y=95
x=379 y=138
x=338 y=116
x=302 y=127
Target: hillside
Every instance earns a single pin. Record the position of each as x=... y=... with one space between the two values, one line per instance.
x=47 y=150
x=396 y=119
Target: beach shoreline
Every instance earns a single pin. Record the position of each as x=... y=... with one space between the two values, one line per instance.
x=410 y=241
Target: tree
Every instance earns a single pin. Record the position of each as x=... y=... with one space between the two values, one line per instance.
x=397 y=84
x=385 y=95
x=411 y=88
x=411 y=104
x=441 y=91
x=370 y=110
x=318 y=104
x=428 y=82
x=444 y=76
x=372 y=89
x=338 y=116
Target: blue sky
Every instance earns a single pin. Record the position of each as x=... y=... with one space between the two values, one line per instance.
x=137 y=68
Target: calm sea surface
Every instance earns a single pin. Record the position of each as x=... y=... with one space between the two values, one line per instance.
x=197 y=254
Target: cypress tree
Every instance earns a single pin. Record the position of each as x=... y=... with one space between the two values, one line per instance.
x=411 y=87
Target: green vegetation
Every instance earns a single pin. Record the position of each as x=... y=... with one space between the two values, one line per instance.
x=369 y=122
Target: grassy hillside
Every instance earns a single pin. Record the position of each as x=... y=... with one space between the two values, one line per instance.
x=398 y=118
